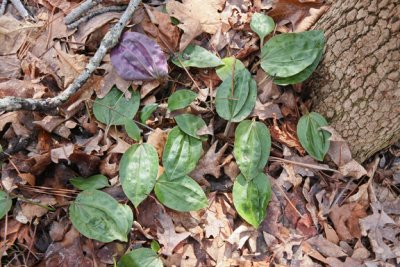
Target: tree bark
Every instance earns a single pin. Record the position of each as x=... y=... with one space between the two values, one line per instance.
x=356 y=86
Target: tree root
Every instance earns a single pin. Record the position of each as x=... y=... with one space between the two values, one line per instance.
x=108 y=42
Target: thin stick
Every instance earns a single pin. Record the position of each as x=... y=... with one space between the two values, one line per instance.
x=109 y=41
x=78 y=11
x=311 y=166
x=290 y=202
x=3 y=7
x=94 y=13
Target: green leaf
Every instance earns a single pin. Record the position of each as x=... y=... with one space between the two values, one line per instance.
x=262 y=25
x=181 y=194
x=288 y=54
x=155 y=246
x=197 y=56
x=251 y=198
x=132 y=130
x=141 y=257
x=181 y=153
x=301 y=76
x=5 y=204
x=313 y=139
x=114 y=109
x=190 y=124
x=238 y=106
x=98 y=216
x=225 y=71
x=138 y=171
x=147 y=111
x=97 y=181
x=181 y=99
x=252 y=147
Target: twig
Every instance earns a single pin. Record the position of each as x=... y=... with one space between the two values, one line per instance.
x=94 y=13
x=311 y=166
x=21 y=9
x=82 y=8
x=3 y=7
x=109 y=41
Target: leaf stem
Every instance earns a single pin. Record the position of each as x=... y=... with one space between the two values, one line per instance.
x=227 y=128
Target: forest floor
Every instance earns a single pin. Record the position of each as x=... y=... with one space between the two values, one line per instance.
x=332 y=212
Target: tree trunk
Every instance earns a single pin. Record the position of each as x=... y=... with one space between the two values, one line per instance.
x=356 y=86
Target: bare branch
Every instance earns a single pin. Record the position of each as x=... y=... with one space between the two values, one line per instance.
x=21 y=9
x=78 y=11
x=3 y=7
x=109 y=41
x=94 y=13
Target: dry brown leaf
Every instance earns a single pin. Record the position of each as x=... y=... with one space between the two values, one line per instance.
x=196 y=16
x=20 y=88
x=62 y=152
x=266 y=111
x=29 y=211
x=241 y=234
x=325 y=247
x=373 y=226
x=346 y=220
x=70 y=66
x=166 y=234
x=49 y=123
x=284 y=136
x=158 y=138
x=301 y=14
x=28 y=177
x=110 y=79
x=10 y=67
x=210 y=163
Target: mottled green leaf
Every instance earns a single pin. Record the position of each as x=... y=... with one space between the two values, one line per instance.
x=251 y=198
x=147 y=111
x=288 y=54
x=237 y=103
x=97 y=181
x=197 y=56
x=312 y=138
x=132 y=130
x=181 y=194
x=226 y=70
x=262 y=24
x=181 y=99
x=252 y=147
x=114 y=108
x=141 y=257
x=98 y=216
x=5 y=203
x=181 y=153
x=190 y=124
x=138 y=172
x=301 y=76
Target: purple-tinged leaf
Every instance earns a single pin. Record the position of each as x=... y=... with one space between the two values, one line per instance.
x=137 y=57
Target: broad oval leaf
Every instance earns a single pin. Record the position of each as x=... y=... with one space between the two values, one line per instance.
x=252 y=147
x=181 y=99
x=98 y=216
x=181 y=153
x=251 y=198
x=97 y=181
x=288 y=54
x=147 y=111
x=141 y=257
x=114 y=109
x=197 y=56
x=190 y=124
x=181 y=194
x=138 y=171
x=301 y=76
x=312 y=138
x=132 y=130
x=262 y=25
x=5 y=204
x=226 y=70
x=137 y=57
x=237 y=103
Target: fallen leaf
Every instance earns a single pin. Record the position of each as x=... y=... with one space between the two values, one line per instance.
x=49 y=123
x=325 y=247
x=266 y=111
x=30 y=211
x=62 y=152
x=346 y=220
x=10 y=67
x=196 y=16
x=70 y=66
x=26 y=89
x=241 y=234
x=158 y=138
x=283 y=135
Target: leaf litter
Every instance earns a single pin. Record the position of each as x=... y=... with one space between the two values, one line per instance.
x=331 y=210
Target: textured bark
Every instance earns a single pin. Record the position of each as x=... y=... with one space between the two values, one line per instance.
x=357 y=84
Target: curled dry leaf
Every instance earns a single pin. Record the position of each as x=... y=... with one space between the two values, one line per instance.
x=285 y=136
x=158 y=138
x=62 y=152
